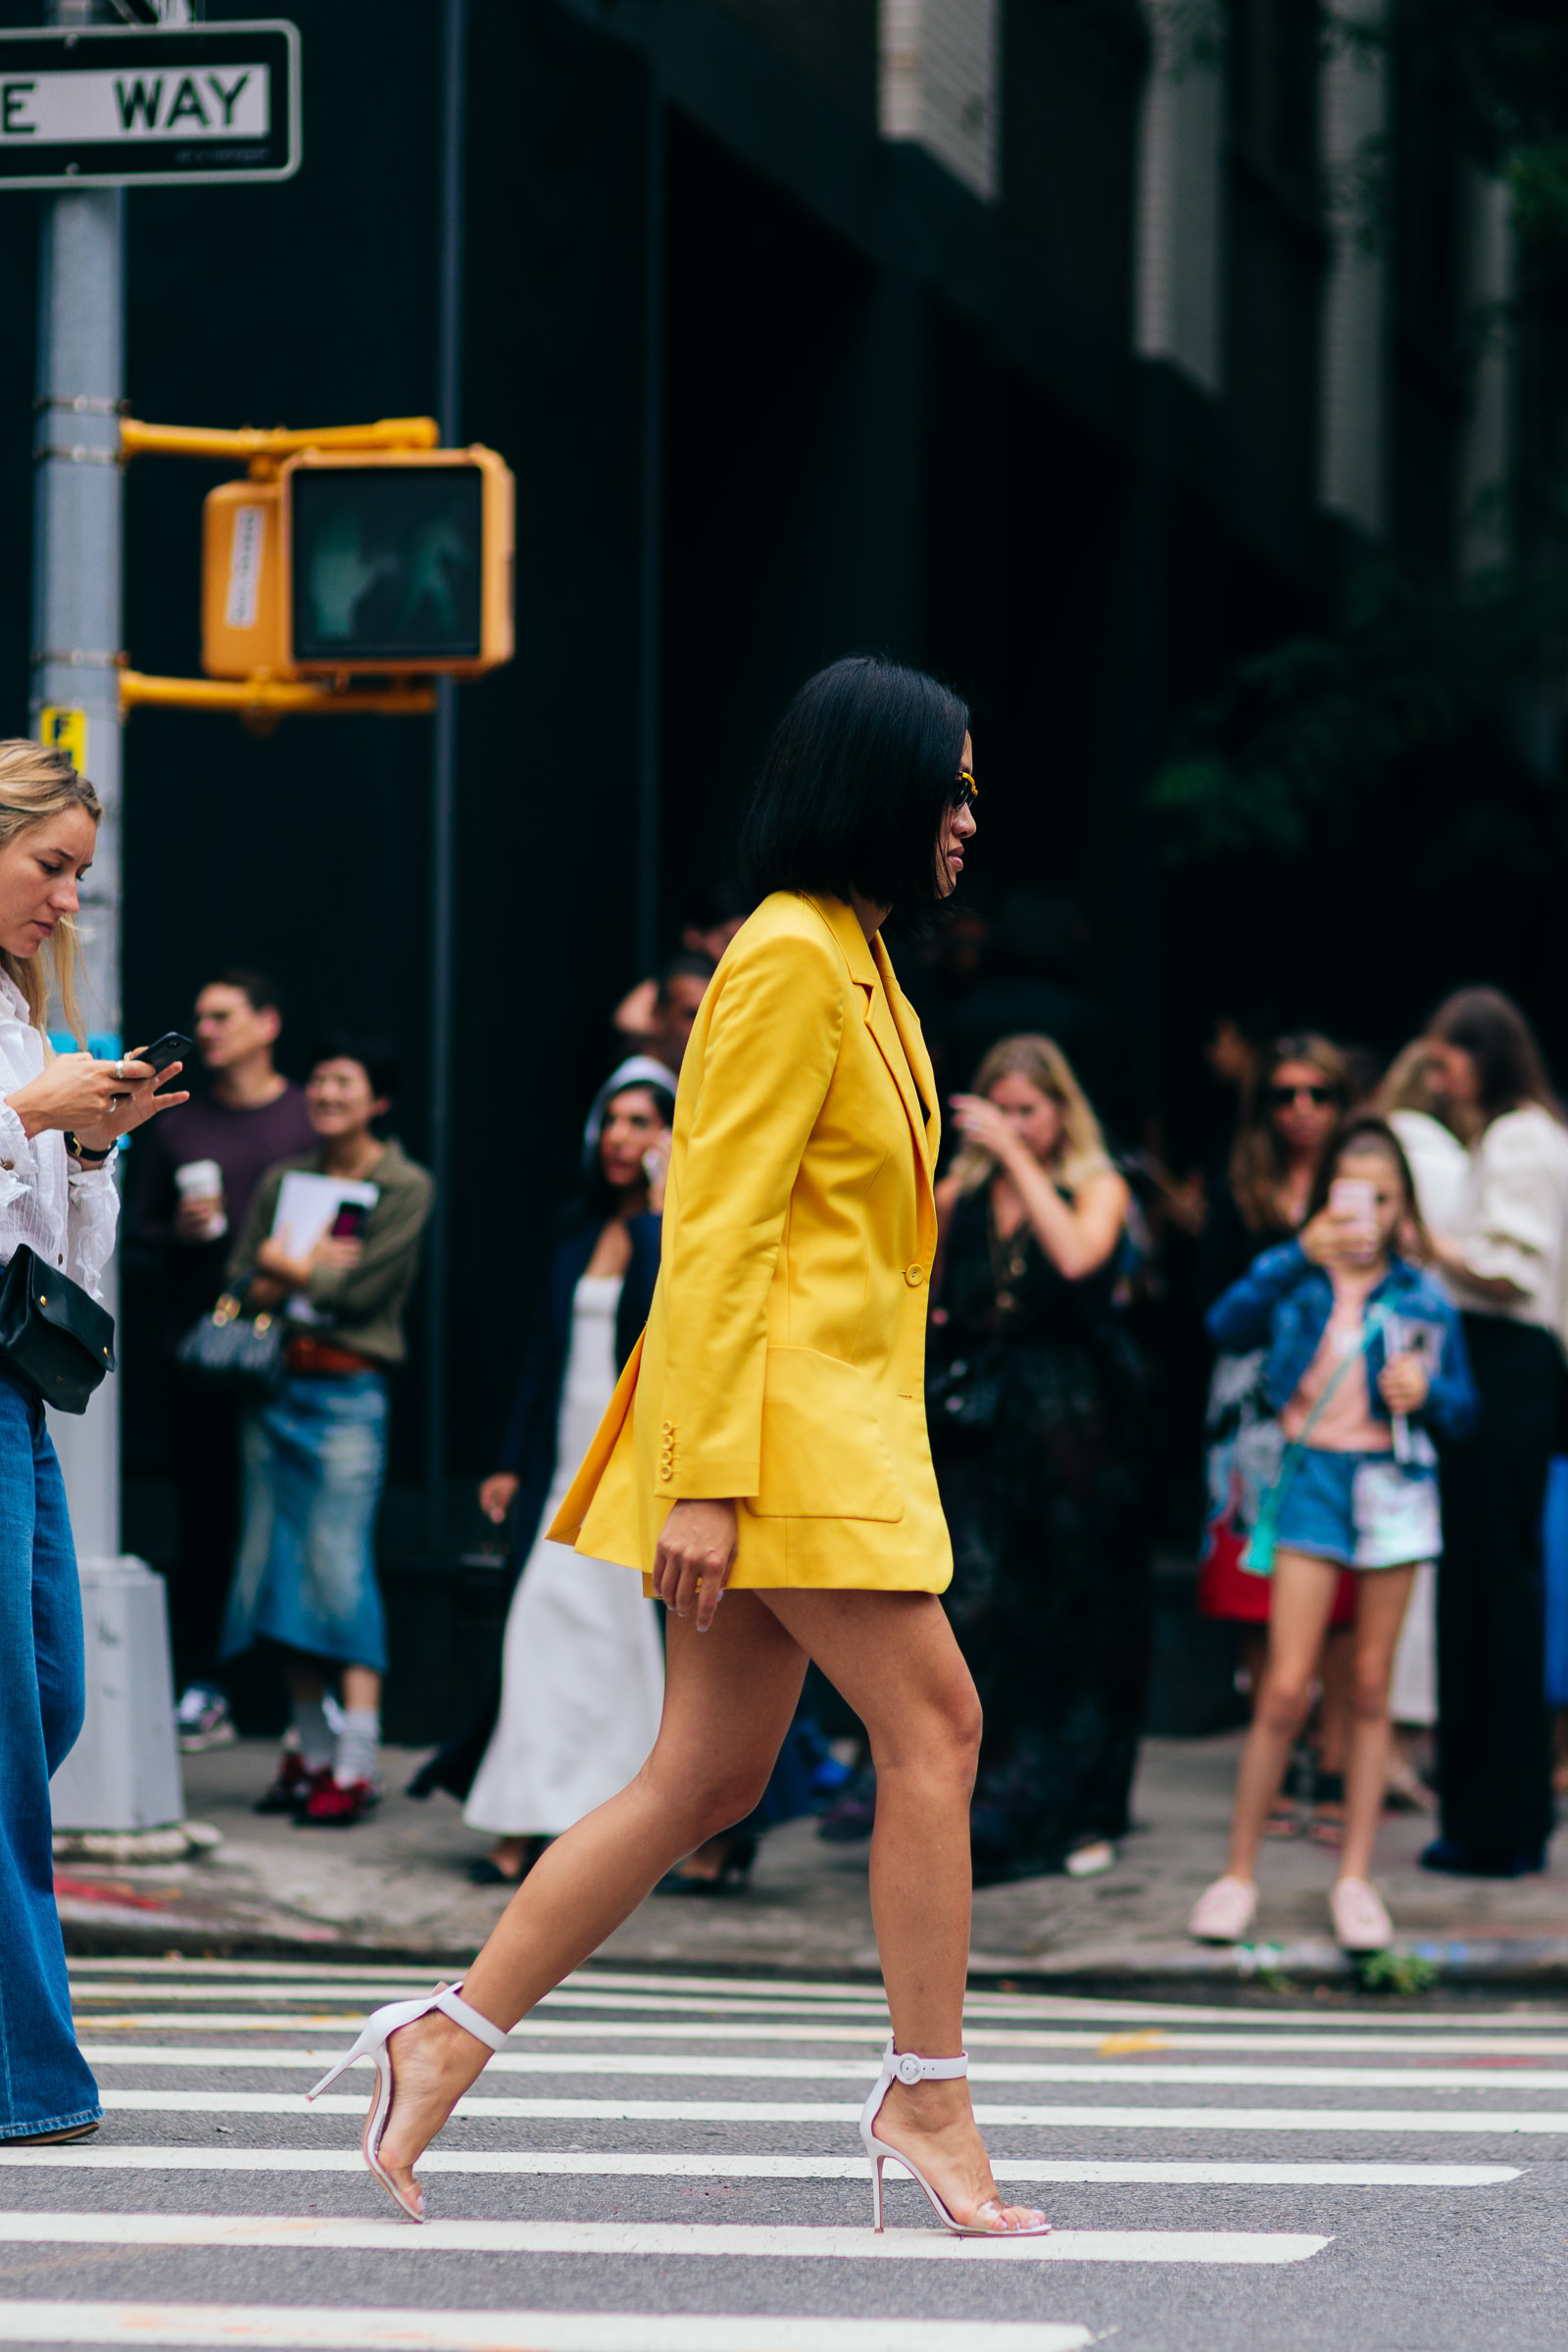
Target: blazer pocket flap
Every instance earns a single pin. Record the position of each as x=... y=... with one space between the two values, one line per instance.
x=824 y=1456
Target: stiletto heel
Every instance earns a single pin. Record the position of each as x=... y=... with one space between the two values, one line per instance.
x=903 y=2067
x=375 y=2043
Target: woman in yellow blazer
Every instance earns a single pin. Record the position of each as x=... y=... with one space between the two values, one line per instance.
x=764 y=1459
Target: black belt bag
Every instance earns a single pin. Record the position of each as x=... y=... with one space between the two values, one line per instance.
x=52 y=1334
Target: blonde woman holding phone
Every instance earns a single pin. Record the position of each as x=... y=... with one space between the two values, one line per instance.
x=61 y=1116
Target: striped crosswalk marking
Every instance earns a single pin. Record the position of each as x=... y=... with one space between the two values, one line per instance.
x=475 y=2108
x=282 y=2327
x=661 y=2068
x=264 y=1981
x=631 y=2046
x=1141 y=2047
x=636 y=2164
x=724 y=2240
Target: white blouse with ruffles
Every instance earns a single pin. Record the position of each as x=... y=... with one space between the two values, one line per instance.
x=1516 y=1217
x=67 y=1215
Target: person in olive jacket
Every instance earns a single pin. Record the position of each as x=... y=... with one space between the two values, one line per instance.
x=314 y=1456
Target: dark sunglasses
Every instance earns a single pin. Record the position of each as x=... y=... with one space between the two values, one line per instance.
x=965 y=791
x=1282 y=1097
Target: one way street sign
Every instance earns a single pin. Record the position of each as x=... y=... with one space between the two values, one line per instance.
x=102 y=108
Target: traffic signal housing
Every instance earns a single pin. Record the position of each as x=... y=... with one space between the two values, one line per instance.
x=373 y=563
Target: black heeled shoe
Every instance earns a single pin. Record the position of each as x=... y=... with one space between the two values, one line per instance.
x=733 y=1876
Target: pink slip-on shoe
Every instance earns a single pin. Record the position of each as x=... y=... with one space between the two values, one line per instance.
x=1360 y=1922
x=1223 y=1912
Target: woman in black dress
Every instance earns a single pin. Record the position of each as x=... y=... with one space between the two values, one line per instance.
x=1039 y=1427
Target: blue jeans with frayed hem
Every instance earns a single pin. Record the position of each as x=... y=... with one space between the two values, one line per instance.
x=45 y=2084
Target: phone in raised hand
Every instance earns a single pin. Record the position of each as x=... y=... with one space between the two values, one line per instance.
x=1354 y=1203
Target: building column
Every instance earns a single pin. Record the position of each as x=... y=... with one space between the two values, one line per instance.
x=1485 y=451
x=1353 y=352
x=940 y=83
x=1178 y=277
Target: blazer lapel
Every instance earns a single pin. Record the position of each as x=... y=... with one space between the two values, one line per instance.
x=927 y=1114
x=873 y=972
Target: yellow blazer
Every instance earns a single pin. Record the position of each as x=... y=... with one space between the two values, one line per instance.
x=784 y=1358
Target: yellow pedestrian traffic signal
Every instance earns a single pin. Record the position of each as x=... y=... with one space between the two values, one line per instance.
x=349 y=567
x=371 y=562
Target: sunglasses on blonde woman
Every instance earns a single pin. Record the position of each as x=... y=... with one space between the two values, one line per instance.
x=1282 y=1097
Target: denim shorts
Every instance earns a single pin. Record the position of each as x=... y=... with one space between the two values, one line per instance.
x=1365 y=1511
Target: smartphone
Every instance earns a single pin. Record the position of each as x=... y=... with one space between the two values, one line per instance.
x=349 y=1223
x=170 y=1046
x=1354 y=1201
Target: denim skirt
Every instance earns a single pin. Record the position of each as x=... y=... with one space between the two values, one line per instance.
x=314 y=1462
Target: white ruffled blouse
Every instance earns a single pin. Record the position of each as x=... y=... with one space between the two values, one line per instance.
x=67 y=1215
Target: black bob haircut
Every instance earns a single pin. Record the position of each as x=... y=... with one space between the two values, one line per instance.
x=377 y=1057
x=854 y=785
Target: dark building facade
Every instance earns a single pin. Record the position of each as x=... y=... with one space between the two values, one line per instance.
x=1040 y=343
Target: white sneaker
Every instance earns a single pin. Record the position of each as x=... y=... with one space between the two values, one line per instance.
x=1360 y=1922
x=202 y=1720
x=1223 y=1912
x=1088 y=1861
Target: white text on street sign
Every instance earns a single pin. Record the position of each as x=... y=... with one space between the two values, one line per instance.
x=104 y=106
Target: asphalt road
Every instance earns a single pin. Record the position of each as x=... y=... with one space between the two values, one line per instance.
x=667 y=2164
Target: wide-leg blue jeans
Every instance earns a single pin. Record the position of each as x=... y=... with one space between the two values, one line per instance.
x=45 y=2084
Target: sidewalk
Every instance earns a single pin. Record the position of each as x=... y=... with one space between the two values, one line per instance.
x=397 y=1886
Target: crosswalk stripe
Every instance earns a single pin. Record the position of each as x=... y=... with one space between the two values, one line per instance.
x=609 y=1988
x=1484 y=2123
x=702 y=2068
x=767 y=2030
x=766 y=2241
x=285 y=2328
x=638 y=2164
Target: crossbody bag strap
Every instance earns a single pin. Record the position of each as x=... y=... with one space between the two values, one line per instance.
x=1258 y=1555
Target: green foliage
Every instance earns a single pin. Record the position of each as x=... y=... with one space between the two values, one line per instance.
x=1303 y=733
x=1396 y=1973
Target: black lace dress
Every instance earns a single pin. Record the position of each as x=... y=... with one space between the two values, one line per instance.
x=1040 y=1431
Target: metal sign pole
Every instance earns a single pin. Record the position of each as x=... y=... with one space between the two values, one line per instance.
x=124 y=1775
x=444 y=809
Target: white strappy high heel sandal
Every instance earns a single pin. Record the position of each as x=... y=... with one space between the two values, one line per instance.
x=373 y=2045
x=904 y=2067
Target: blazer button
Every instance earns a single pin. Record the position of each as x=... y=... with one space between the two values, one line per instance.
x=914 y=1276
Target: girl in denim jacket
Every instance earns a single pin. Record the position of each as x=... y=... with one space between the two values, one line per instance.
x=1365 y=1358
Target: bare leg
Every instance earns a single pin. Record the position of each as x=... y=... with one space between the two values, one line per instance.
x=1333 y=1714
x=1382 y=1596
x=1301 y=1599
x=892 y=1657
x=728 y=1699
x=361 y=1688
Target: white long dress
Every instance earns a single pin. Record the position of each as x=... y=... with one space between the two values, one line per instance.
x=1439 y=1167
x=582 y=1670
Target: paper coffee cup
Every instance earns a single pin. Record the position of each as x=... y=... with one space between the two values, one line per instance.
x=203 y=1180
x=199 y=1179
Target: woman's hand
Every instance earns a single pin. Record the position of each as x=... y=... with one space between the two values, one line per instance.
x=695 y=1555
x=1403 y=1383
x=294 y=1273
x=981 y=1122
x=497 y=1495
x=99 y=1100
x=656 y=1167
x=335 y=1249
x=1332 y=1239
